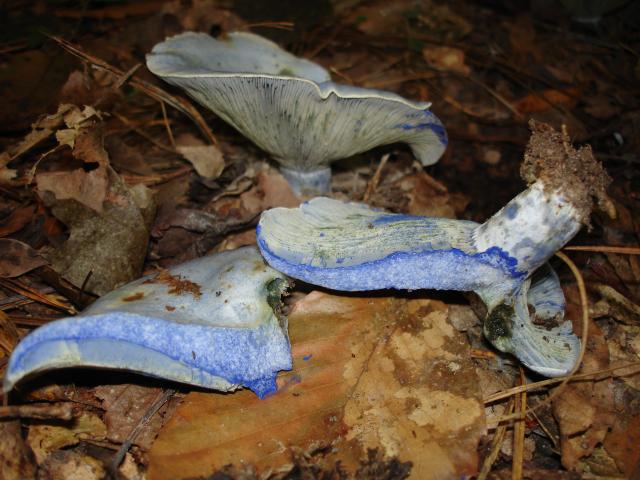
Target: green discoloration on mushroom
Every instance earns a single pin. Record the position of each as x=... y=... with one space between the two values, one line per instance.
x=498 y=326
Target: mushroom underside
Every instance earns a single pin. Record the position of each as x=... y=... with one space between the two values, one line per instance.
x=289 y=107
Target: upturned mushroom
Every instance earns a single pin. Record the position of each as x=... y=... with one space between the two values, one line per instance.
x=213 y=322
x=353 y=247
x=289 y=106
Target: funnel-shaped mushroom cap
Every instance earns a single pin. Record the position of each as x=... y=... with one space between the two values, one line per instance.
x=288 y=106
x=350 y=246
x=209 y=322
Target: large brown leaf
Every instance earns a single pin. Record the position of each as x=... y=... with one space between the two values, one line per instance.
x=377 y=373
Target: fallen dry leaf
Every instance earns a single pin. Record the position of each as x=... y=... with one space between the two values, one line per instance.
x=600 y=463
x=542 y=101
x=16 y=459
x=601 y=106
x=206 y=159
x=17 y=258
x=107 y=248
x=417 y=193
x=71 y=465
x=130 y=470
x=67 y=115
x=271 y=191
x=90 y=87
x=202 y=16
x=86 y=187
x=622 y=444
x=44 y=438
x=446 y=59
x=184 y=233
x=369 y=373
x=443 y=21
x=381 y=17
x=17 y=220
x=125 y=405
x=428 y=197
x=584 y=410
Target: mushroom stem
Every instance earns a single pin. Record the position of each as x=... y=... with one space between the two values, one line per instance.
x=531 y=227
x=308 y=183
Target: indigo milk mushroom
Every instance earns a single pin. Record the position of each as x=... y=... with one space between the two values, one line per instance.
x=289 y=106
x=353 y=247
x=213 y=322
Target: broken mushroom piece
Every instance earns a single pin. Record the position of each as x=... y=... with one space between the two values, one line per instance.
x=289 y=106
x=352 y=247
x=213 y=322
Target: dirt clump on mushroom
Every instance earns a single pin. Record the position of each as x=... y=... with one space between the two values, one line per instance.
x=574 y=173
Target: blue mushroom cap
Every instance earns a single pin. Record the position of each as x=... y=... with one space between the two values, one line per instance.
x=209 y=322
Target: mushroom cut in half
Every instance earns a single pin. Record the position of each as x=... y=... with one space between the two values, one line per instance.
x=353 y=247
x=213 y=322
x=289 y=106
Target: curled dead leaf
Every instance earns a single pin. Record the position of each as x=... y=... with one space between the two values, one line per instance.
x=207 y=160
x=17 y=258
x=446 y=58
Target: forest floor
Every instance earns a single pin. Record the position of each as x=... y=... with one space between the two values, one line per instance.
x=99 y=184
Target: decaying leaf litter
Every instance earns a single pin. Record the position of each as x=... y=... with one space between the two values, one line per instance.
x=108 y=173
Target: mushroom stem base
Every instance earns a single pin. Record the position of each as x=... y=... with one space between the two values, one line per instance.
x=308 y=183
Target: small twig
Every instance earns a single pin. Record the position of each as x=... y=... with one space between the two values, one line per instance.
x=142 y=133
x=496 y=95
x=59 y=411
x=83 y=287
x=124 y=78
x=343 y=76
x=280 y=25
x=327 y=40
x=151 y=180
x=31 y=321
x=13 y=47
x=519 y=429
x=457 y=134
x=46 y=299
x=157 y=93
x=545 y=429
x=605 y=249
x=482 y=354
x=30 y=175
x=496 y=444
x=160 y=400
x=167 y=126
x=552 y=381
x=432 y=182
x=20 y=300
x=375 y=180
x=394 y=81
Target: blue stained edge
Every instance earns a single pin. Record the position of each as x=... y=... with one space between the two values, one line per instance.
x=415 y=266
x=430 y=121
x=247 y=357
